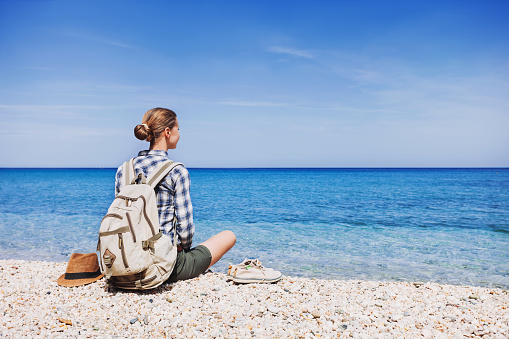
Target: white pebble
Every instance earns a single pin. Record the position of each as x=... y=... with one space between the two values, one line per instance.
x=209 y=306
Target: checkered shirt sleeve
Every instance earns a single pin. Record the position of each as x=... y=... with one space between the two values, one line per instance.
x=118 y=180
x=176 y=187
x=173 y=195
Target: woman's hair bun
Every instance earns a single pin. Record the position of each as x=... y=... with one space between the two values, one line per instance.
x=142 y=132
x=155 y=121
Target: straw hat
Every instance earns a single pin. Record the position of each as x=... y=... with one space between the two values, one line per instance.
x=81 y=269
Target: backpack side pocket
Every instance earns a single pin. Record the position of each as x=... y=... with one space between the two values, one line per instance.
x=162 y=252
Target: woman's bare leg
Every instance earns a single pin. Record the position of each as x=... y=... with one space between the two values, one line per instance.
x=219 y=244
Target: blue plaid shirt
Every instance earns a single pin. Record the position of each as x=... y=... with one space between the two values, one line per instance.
x=173 y=195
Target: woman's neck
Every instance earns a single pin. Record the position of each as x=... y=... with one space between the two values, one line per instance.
x=159 y=146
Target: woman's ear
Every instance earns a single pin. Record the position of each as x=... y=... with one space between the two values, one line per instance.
x=167 y=132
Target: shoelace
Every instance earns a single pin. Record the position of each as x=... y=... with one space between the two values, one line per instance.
x=253 y=263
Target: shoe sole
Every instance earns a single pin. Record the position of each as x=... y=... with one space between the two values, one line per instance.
x=254 y=281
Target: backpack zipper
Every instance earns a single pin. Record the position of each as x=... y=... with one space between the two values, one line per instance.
x=146 y=215
x=131 y=226
x=128 y=201
x=113 y=215
x=121 y=246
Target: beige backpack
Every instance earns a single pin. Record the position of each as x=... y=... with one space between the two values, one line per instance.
x=134 y=253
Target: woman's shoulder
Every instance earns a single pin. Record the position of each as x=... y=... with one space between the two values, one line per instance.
x=120 y=168
x=179 y=175
x=180 y=171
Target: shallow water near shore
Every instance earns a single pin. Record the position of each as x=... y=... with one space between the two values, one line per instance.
x=439 y=225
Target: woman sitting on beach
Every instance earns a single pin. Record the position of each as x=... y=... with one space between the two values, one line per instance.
x=160 y=127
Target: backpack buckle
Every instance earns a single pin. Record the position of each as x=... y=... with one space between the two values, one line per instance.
x=147 y=244
x=108 y=258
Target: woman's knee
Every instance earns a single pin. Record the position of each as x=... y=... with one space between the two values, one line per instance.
x=226 y=240
x=221 y=242
x=230 y=236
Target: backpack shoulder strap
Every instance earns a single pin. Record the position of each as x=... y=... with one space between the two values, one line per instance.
x=161 y=171
x=128 y=172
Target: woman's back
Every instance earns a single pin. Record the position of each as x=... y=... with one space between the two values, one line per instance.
x=160 y=127
x=173 y=194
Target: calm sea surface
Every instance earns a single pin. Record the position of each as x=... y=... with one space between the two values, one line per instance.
x=441 y=225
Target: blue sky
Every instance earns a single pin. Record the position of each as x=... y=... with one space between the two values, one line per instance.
x=257 y=83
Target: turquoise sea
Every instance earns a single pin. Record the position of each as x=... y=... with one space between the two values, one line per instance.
x=440 y=225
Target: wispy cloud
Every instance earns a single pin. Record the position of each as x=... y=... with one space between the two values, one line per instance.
x=24 y=112
x=79 y=89
x=235 y=102
x=39 y=108
x=57 y=132
x=302 y=53
x=327 y=106
x=104 y=40
x=96 y=38
x=40 y=68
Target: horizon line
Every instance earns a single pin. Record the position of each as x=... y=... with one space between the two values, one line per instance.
x=268 y=168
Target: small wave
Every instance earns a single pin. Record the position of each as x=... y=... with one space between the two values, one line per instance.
x=499 y=230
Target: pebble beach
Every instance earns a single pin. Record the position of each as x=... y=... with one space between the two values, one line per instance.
x=33 y=305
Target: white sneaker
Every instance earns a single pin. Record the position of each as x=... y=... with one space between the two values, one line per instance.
x=252 y=271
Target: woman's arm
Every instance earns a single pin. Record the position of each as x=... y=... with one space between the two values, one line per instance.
x=118 y=180
x=183 y=206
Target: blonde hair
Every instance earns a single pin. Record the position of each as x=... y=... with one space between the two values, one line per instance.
x=154 y=123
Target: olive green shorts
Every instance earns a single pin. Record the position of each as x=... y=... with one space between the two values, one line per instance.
x=191 y=263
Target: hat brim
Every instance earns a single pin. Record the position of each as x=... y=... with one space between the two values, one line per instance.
x=76 y=282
